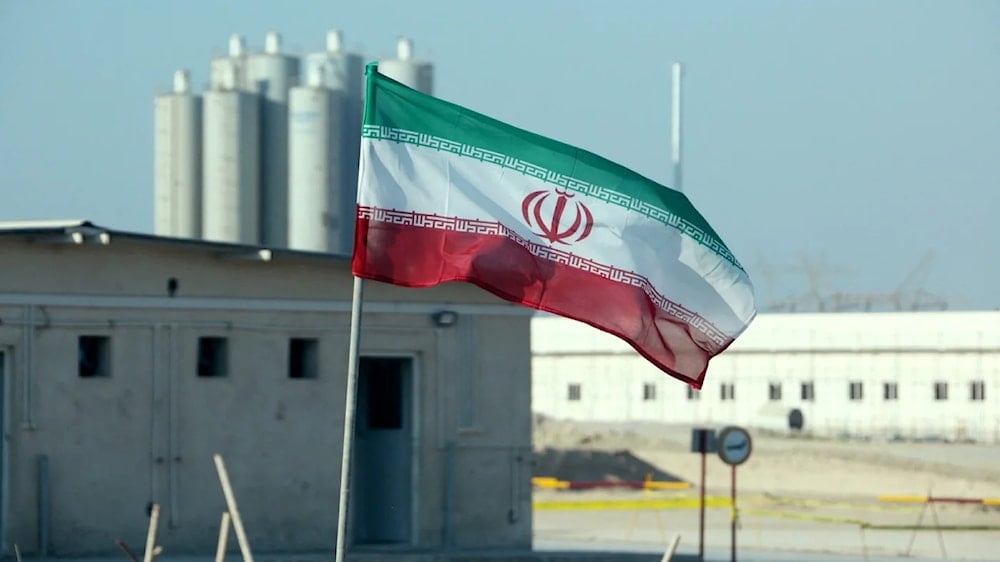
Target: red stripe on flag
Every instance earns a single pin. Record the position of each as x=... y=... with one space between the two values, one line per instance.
x=422 y=257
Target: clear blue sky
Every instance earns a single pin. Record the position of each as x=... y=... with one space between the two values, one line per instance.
x=861 y=135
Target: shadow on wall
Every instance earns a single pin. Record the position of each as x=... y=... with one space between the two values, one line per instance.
x=596 y=466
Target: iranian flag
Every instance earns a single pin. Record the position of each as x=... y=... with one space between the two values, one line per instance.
x=448 y=194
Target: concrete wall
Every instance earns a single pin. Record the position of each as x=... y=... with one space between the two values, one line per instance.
x=912 y=350
x=148 y=432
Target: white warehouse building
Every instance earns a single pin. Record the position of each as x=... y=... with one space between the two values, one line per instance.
x=912 y=375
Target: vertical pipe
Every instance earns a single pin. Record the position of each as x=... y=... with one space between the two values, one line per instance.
x=449 y=494
x=43 y=506
x=732 y=523
x=413 y=399
x=173 y=447
x=28 y=336
x=515 y=483
x=153 y=477
x=349 y=407
x=701 y=505
x=675 y=126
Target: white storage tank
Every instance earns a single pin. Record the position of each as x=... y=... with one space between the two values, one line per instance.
x=343 y=73
x=177 y=161
x=230 y=68
x=270 y=74
x=317 y=217
x=231 y=170
x=341 y=70
x=415 y=74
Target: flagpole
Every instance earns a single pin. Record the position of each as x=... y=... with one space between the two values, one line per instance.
x=349 y=409
x=675 y=126
x=350 y=404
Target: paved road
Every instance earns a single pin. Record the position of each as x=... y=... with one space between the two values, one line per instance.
x=759 y=538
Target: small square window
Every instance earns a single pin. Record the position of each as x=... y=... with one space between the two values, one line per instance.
x=213 y=357
x=890 y=391
x=648 y=392
x=303 y=358
x=574 y=392
x=774 y=391
x=93 y=356
x=693 y=393
x=856 y=391
x=808 y=391
x=727 y=391
x=940 y=390
x=977 y=391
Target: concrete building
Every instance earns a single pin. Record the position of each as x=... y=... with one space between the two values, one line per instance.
x=885 y=375
x=128 y=360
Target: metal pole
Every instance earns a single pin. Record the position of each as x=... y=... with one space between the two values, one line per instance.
x=349 y=407
x=675 y=126
x=701 y=504
x=732 y=487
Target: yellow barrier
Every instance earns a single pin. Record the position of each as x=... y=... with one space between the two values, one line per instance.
x=547 y=482
x=654 y=485
x=662 y=503
x=554 y=483
x=903 y=499
x=927 y=499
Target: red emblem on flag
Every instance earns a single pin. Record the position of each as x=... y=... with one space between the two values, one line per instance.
x=549 y=217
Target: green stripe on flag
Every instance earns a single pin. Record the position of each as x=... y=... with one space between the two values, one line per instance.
x=405 y=115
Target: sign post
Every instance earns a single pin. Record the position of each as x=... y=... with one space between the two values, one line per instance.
x=734 y=449
x=702 y=441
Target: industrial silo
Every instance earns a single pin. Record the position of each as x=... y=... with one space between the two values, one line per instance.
x=317 y=218
x=177 y=161
x=341 y=72
x=234 y=63
x=231 y=166
x=270 y=74
x=415 y=74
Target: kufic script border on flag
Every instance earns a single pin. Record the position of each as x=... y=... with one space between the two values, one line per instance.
x=673 y=220
x=432 y=221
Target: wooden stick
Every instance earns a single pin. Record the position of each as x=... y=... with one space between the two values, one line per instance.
x=671 y=548
x=154 y=520
x=220 y=549
x=128 y=551
x=234 y=512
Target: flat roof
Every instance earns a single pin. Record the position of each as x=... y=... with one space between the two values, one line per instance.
x=81 y=231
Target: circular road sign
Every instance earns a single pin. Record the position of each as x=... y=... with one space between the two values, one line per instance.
x=734 y=445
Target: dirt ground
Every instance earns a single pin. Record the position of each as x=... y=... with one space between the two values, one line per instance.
x=795 y=494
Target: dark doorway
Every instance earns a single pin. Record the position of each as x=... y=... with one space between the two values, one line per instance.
x=381 y=490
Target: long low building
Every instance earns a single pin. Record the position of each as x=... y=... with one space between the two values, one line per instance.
x=127 y=361
x=911 y=375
